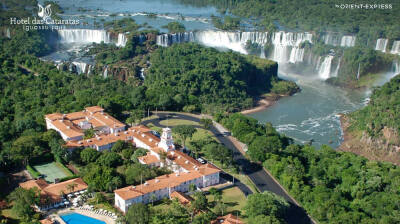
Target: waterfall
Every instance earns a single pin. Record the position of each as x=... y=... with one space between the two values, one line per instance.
x=262 y=54
x=348 y=41
x=332 y=39
x=318 y=64
x=336 y=72
x=358 y=71
x=80 y=67
x=142 y=73
x=166 y=40
x=105 y=72
x=381 y=44
x=83 y=36
x=396 y=67
x=290 y=39
x=221 y=39
x=287 y=46
x=90 y=67
x=121 y=40
x=296 y=55
x=325 y=69
x=396 y=47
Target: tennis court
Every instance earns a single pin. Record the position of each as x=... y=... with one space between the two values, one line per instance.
x=51 y=171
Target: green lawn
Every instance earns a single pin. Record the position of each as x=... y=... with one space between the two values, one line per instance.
x=175 y=122
x=52 y=170
x=233 y=198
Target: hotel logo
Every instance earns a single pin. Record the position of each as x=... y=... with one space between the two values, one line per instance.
x=45 y=12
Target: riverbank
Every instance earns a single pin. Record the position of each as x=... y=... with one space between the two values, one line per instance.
x=263 y=103
x=365 y=147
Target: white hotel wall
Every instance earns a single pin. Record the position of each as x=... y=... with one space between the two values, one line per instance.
x=200 y=182
x=49 y=126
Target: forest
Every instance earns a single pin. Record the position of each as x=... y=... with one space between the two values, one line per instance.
x=192 y=78
x=382 y=112
x=333 y=186
x=310 y=15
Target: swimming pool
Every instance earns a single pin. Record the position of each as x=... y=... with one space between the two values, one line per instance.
x=75 y=218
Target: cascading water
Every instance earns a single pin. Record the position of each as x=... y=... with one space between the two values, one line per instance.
x=287 y=46
x=348 y=41
x=142 y=73
x=325 y=68
x=332 y=39
x=296 y=55
x=90 y=67
x=105 y=72
x=221 y=39
x=336 y=72
x=83 y=36
x=80 y=67
x=396 y=67
x=166 y=40
x=396 y=47
x=121 y=42
x=381 y=44
x=262 y=54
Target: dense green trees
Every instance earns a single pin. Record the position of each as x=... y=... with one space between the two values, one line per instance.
x=23 y=202
x=358 y=62
x=175 y=27
x=184 y=132
x=266 y=206
x=89 y=155
x=109 y=159
x=333 y=186
x=191 y=77
x=138 y=214
x=314 y=15
x=383 y=111
x=228 y=23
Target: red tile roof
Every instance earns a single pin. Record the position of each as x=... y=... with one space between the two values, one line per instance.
x=182 y=198
x=161 y=182
x=53 y=191
x=69 y=123
x=149 y=159
x=228 y=219
x=113 y=137
x=46 y=221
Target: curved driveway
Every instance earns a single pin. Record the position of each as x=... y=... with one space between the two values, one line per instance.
x=262 y=180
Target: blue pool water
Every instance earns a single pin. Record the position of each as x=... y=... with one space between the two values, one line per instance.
x=75 y=218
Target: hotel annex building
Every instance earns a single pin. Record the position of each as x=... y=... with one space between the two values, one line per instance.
x=161 y=153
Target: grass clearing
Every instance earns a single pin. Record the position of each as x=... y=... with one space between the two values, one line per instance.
x=233 y=198
x=150 y=118
x=175 y=122
x=52 y=170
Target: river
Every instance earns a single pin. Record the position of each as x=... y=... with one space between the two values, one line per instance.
x=311 y=114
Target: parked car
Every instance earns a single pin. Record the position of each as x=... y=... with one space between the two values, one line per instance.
x=201 y=160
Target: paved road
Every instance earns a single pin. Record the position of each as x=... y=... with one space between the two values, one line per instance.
x=262 y=180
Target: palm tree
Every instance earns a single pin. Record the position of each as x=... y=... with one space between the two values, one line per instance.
x=163 y=158
x=214 y=192
x=71 y=187
x=153 y=197
x=196 y=148
x=192 y=188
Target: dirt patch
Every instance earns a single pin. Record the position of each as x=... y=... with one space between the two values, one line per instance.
x=364 y=146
